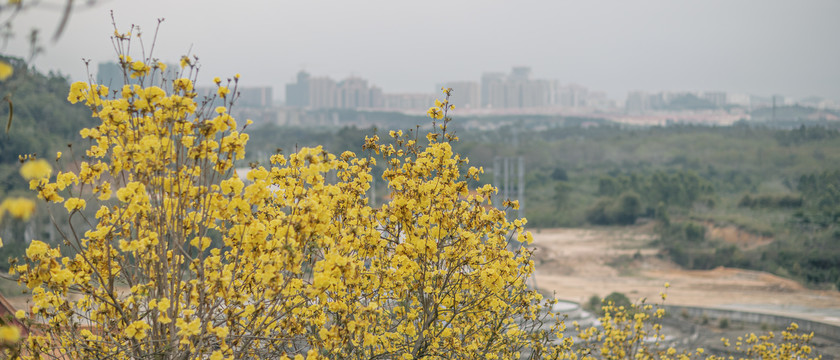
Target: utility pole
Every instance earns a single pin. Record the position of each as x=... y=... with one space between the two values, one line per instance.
x=372 y=191
x=509 y=180
x=521 y=187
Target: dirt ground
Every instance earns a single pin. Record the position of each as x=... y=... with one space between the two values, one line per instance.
x=579 y=263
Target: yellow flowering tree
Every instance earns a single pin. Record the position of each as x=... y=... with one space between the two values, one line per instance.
x=170 y=254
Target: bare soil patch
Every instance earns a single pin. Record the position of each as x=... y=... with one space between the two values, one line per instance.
x=578 y=263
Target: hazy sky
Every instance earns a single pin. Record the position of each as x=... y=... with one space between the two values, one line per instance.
x=761 y=47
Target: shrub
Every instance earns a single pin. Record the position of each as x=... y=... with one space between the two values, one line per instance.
x=623 y=210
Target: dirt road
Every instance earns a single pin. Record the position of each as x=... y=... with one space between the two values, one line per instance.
x=579 y=263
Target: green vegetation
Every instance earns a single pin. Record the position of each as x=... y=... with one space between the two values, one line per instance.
x=43 y=123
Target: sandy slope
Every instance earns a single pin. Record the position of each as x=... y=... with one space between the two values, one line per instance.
x=579 y=263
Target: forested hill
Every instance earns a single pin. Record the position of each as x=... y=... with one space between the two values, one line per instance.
x=43 y=122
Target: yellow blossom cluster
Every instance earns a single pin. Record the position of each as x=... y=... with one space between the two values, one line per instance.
x=36 y=169
x=6 y=70
x=18 y=207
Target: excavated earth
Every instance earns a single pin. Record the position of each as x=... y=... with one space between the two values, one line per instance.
x=578 y=263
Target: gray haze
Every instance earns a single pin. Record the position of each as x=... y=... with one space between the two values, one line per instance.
x=761 y=47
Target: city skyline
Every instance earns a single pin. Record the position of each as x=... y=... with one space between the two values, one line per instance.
x=493 y=91
x=751 y=46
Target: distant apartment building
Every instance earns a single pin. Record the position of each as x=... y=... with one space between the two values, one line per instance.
x=326 y=93
x=409 y=101
x=255 y=96
x=321 y=92
x=716 y=98
x=739 y=99
x=599 y=100
x=297 y=93
x=515 y=90
x=111 y=74
x=493 y=90
x=465 y=94
x=637 y=102
x=571 y=96
x=354 y=93
x=248 y=96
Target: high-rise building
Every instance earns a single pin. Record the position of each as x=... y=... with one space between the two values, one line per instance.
x=297 y=94
x=535 y=94
x=326 y=93
x=409 y=101
x=738 y=99
x=520 y=73
x=465 y=94
x=637 y=102
x=377 y=98
x=572 y=96
x=354 y=93
x=323 y=93
x=516 y=90
x=254 y=96
x=717 y=98
x=493 y=90
x=111 y=74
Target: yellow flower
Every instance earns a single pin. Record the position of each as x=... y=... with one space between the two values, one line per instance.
x=188 y=328
x=217 y=80
x=434 y=112
x=21 y=208
x=185 y=60
x=57 y=155
x=163 y=304
x=182 y=83
x=37 y=248
x=6 y=70
x=138 y=68
x=9 y=334
x=20 y=314
x=104 y=191
x=36 y=169
x=223 y=91
x=73 y=204
x=137 y=330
